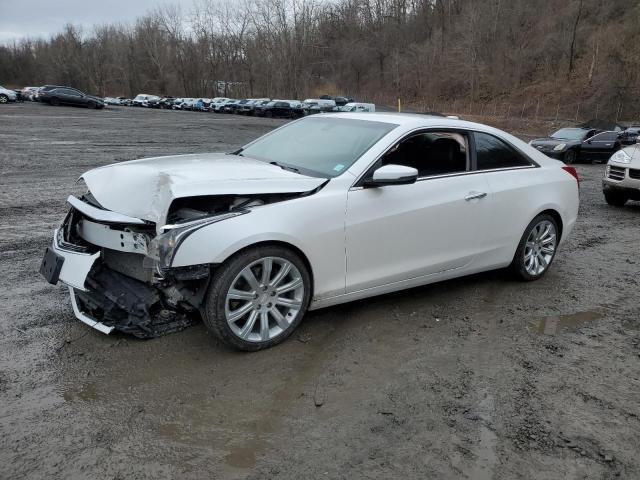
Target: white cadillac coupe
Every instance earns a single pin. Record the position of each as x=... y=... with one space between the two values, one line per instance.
x=321 y=211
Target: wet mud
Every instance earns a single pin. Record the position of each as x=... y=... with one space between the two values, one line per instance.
x=480 y=378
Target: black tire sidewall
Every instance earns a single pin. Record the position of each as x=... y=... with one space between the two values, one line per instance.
x=214 y=307
x=570 y=157
x=517 y=265
x=54 y=101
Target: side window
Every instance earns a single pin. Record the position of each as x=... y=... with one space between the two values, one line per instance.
x=605 y=137
x=68 y=91
x=431 y=153
x=493 y=153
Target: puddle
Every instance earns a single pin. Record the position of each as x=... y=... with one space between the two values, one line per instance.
x=86 y=393
x=245 y=456
x=554 y=324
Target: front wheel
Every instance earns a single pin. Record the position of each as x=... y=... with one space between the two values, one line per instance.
x=570 y=157
x=4 y=98
x=54 y=101
x=537 y=248
x=257 y=298
x=615 y=199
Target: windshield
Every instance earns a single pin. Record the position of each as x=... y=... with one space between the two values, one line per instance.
x=322 y=147
x=569 y=134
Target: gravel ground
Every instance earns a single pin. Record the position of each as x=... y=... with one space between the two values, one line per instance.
x=480 y=377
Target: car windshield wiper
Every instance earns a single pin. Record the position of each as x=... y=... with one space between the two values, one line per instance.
x=285 y=167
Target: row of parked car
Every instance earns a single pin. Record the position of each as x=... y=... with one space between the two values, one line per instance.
x=261 y=107
x=595 y=140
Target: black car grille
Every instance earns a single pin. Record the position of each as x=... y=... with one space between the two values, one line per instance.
x=616 y=173
x=634 y=173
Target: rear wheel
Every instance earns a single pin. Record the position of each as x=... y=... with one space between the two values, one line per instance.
x=615 y=199
x=570 y=157
x=54 y=101
x=537 y=248
x=258 y=297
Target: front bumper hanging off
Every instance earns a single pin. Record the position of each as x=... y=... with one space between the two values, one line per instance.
x=107 y=300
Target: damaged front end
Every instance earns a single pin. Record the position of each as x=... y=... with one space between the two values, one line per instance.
x=119 y=268
x=119 y=272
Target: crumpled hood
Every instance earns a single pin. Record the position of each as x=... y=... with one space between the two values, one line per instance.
x=145 y=188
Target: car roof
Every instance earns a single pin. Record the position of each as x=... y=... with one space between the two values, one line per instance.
x=408 y=119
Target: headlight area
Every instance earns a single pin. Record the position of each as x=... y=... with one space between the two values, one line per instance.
x=620 y=157
x=162 y=249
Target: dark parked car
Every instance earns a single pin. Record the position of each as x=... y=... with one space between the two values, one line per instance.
x=232 y=107
x=281 y=108
x=69 y=96
x=576 y=144
x=258 y=108
x=630 y=135
x=47 y=88
x=342 y=101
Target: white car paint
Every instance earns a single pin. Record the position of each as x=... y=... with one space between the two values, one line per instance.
x=358 y=241
x=357 y=107
x=10 y=94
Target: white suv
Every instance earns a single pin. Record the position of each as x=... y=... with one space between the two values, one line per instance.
x=621 y=180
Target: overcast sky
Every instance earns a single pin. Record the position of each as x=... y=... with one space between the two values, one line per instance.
x=41 y=18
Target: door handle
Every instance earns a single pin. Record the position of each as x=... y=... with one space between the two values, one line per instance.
x=475 y=195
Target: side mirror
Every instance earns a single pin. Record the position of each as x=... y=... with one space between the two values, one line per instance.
x=392 y=175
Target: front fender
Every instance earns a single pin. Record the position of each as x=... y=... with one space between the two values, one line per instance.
x=216 y=243
x=313 y=224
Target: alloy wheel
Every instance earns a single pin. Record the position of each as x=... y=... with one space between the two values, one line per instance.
x=264 y=299
x=540 y=248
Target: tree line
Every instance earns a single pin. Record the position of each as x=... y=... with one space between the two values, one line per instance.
x=470 y=50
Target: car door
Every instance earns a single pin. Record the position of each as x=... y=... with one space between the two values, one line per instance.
x=513 y=181
x=73 y=97
x=600 y=146
x=279 y=109
x=403 y=232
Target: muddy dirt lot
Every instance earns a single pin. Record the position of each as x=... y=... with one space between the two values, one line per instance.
x=479 y=378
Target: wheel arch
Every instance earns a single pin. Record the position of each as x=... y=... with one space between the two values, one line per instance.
x=278 y=243
x=556 y=216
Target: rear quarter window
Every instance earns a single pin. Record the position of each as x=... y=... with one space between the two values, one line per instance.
x=493 y=153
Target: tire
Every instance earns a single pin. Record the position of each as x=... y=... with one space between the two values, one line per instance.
x=4 y=98
x=54 y=101
x=615 y=199
x=268 y=114
x=92 y=104
x=533 y=256
x=257 y=303
x=570 y=157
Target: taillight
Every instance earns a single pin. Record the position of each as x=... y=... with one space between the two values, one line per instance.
x=572 y=171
